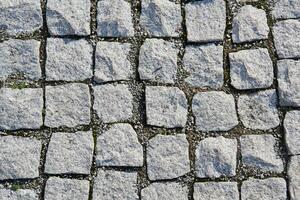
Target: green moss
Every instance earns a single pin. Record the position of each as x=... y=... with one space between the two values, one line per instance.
x=16 y=186
x=19 y=85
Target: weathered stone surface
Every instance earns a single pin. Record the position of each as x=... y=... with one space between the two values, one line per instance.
x=68 y=60
x=216 y=190
x=66 y=189
x=292 y=131
x=216 y=157
x=286 y=38
x=250 y=69
x=288 y=73
x=205 y=20
x=115 y=185
x=19 y=157
x=214 y=111
x=294 y=177
x=111 y=62
x=161 y=18
x=205 y=65
x=20 y=16
x=165 y=191
x=119 y=146
x=20 y=57
x=21 y=194
x=249 y=24
x=260 y=152
x=258 y=110
x=267 y=189
x=21 y=109
x=70 y=153
x=286 y=9
x=113 y=103
x=70 y=17
x=166 y=106
x=67 y=105
x=167 y=157
x=158 y=61
x=114 y=19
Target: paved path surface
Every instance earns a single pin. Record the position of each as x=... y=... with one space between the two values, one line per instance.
x=150 y=100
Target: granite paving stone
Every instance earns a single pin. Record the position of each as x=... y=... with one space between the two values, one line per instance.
x=216 y=190
x=20 y=194
x=294 y=177
x=292 y=131
x=286 y=9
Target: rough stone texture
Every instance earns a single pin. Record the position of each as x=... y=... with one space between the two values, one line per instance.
x=161 y=18
x=167 y=157
x=286 y=38
x=166 y=106
x=205 y=20
x=66 y=189
x=114 y=19
x=21 y=194
x=70 y=153
x=205 y=65
x=67 y=105
x=258 y=110
x=260 y=152
x=21 y=109
x=20 y=16
x=216 y=157
x=286 y=9
x=68 y=60
x=20 y=57
x=288 y=73
x=119 y=146
x=292 y=131
x=71 y=17
x=214 y=111
x=216 y=190
x=165 y=191
x=267 y=189
x=113 y=103
x=250 y=69
x=111 y=62
x=115 y=185
x=19 y=157
x=158 y=61
x=249 y=24
x=294 y=177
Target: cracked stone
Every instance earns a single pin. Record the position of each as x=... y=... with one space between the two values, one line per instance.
x=205 y=20
x=266 y=189
x=167 y=157
x=67 y=105
x=20 y=194
x=292 y=131
x=216 y=157
x=286 y=38
x=21 y=108
x=115 y=185
x=19 y=157
x=119 y=146
x=286 y=9
x=20 y=57
x=249 y=24
x=294 y=177
x=113 y=103
x=288 y=73
x=70 y=17
x=216 y=190
x=251 y=69
x=259 y=110
x=68 y=60
x=205 y=66
x=260 y=152
x=111 y=62
x=158 y=61
x=161 y=18
x=70 y=153
x=114 y=19
x=166 y=106
x=214 y=111
x=66 y=189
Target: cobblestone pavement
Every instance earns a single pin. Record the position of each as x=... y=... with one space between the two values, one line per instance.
x=150 y=100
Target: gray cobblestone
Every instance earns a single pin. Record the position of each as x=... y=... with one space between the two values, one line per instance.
x=216 y=190
x=294 y=177
x=20 y=194
x=286 y=9
x=292 y=130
